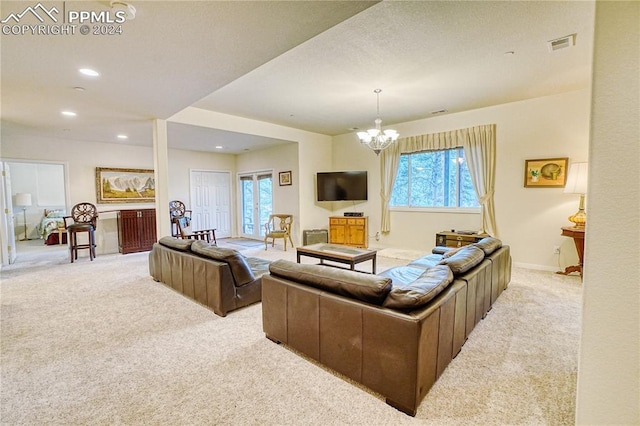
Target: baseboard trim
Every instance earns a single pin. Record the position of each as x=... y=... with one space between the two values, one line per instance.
x=536 y=267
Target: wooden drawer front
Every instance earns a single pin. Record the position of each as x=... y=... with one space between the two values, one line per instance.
x=356 y=222
x=337 y=221
x=468 y=239
x=460 y=240
x=453 y=239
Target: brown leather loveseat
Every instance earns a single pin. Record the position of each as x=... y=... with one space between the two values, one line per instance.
x=395 y=332
x=219 y=278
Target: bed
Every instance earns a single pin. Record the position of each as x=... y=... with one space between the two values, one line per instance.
x=49 y=224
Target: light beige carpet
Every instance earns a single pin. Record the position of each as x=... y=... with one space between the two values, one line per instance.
x=102 y=343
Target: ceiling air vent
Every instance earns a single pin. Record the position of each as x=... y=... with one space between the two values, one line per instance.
x=562 y=42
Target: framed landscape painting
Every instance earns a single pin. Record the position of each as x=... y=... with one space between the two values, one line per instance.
x=125 y=185
x=545 y=173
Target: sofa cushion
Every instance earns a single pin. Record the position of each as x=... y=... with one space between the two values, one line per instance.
x=176 y=243
x=464 y=259
x=403 y=274
x=240 y=270
x=258 y=266
x=365 y=287
x=426 y=262
x=488 y=245
x=411 y=295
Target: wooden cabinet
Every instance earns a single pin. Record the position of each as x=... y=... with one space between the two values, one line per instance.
x=136 y=230
x=457 y=239
x=349 y=231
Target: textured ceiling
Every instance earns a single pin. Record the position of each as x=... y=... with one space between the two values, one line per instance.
x=311 y=65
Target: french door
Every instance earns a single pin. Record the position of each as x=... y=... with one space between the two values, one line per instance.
x=256 y=198
x=211 y=201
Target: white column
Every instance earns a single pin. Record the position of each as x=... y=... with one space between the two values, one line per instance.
x=161 y=168
x=608 y=364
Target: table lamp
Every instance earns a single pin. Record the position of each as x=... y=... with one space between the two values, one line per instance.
x=577 y=184
x=24 y=200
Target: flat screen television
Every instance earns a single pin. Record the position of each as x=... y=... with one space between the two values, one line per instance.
x=342 y=186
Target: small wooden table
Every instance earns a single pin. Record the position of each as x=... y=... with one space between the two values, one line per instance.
x=578 y=239
x=61 y=232
x=338 y=253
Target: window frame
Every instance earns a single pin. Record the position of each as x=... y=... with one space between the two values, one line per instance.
x=433 y=209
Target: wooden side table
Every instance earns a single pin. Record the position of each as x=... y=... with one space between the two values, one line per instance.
x=578 y=239
x=458 y=239
x=62 y=231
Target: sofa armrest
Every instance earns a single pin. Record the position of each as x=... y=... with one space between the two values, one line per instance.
x=441 y=249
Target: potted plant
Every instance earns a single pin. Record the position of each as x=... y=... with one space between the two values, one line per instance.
x=534 y=175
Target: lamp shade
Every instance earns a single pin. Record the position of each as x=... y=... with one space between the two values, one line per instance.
x=23 y=199
x=577 y=179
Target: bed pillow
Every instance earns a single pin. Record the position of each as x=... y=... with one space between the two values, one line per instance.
x=54 y=213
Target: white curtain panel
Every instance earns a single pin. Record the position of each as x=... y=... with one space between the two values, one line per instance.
x=479 y=144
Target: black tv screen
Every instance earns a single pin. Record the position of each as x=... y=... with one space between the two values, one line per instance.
x=342 y=186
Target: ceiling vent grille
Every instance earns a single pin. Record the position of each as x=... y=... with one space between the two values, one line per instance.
x=562 y=42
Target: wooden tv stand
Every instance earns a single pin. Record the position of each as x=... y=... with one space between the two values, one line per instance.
x=349 y=231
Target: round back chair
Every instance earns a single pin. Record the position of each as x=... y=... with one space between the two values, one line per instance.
x=85 y=219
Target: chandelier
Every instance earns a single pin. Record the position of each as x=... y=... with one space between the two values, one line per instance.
x=378 y=139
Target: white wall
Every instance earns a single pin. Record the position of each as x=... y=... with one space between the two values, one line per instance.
x=280 y=158
x=81 y=159
x=608 y=389
x=528 y=219
x=181 y=162
x=314 y=153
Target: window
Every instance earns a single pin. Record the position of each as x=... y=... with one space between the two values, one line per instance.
x=434 y=179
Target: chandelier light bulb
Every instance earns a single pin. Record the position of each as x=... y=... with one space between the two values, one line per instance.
x=377 y=139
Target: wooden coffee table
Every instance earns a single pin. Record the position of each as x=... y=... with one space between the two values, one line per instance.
x=336 y=253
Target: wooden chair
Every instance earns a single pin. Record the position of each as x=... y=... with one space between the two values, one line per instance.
x=278 y=226
x=178 y=210
x=84 y=218
x=181 y=224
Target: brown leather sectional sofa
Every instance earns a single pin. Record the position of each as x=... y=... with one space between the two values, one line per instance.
x=395 y=332
x=219 y=278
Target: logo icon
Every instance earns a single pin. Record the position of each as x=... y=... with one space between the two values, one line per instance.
x=38 y=10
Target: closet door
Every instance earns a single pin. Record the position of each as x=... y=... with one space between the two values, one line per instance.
x=211 y=201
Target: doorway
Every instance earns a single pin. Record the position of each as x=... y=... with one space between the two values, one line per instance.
x=211 y=201
x=256 y=198
x=36 y=187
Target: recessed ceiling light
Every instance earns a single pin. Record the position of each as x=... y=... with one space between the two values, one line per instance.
x=219 y=147
x=89 y=72
x=123 y=137
x=69 y=113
